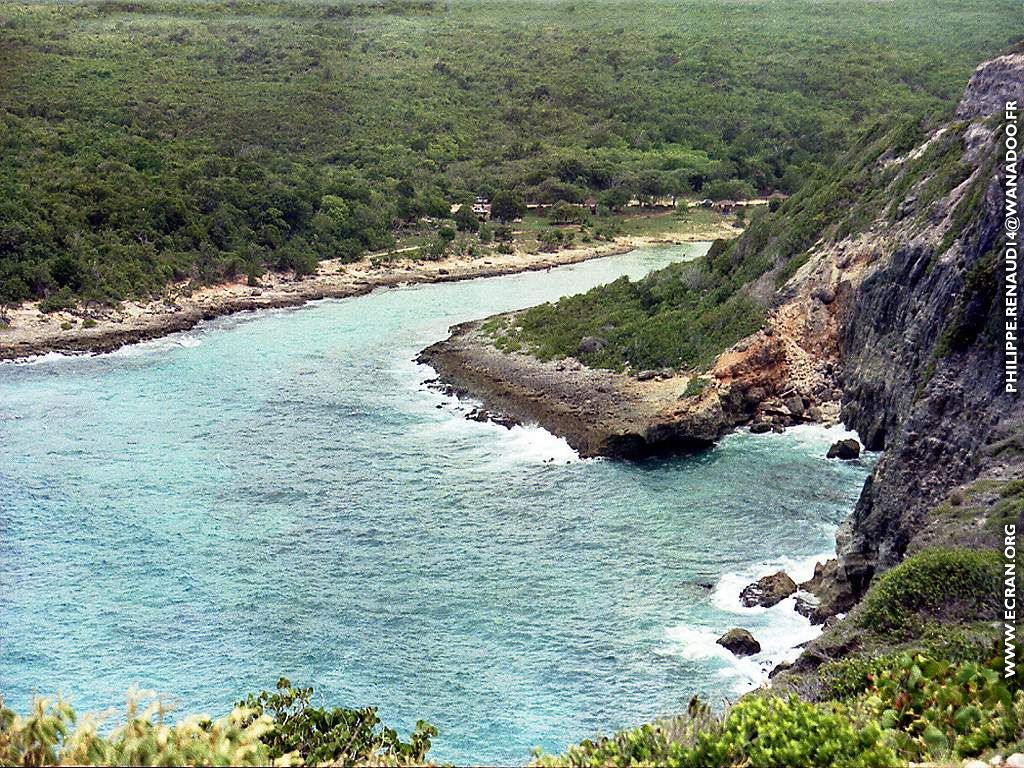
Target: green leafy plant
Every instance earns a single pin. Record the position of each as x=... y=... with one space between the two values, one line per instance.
x=944 y=584
x=337 y=736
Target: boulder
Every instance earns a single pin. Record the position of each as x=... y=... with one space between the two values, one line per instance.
x=484 y=416
x=646 y=375
x=760 y=427
x=795 y=404
x=829 y=593
x=824 y=294
x=768 y=590
x=740 y=642
x=823 y=574
x=808 y=606
x=844 y=449
x=591 y=344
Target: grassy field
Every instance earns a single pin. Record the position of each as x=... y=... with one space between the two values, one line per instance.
x=154 y=140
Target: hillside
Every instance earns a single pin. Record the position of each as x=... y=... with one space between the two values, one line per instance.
x=875 y=292
x=166 y=140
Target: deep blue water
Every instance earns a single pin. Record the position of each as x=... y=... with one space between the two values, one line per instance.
x=277 y=494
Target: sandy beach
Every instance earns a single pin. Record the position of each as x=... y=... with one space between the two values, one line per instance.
x=31 y=332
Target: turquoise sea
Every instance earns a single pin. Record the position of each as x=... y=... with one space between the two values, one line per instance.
x=277 y=493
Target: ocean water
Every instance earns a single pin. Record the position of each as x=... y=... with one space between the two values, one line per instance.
x=277 y=493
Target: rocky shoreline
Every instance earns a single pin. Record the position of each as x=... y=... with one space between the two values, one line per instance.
x=769 y=381
x=599 y=413
x=891 y=320
x=31 y=333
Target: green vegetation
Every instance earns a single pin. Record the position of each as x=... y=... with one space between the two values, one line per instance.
x=336 y=736
x=962 y=583
x=681 y=316
x=904 y=708
x=272 y=728
x=163 y=140
x=685 y=315
x=695 y=386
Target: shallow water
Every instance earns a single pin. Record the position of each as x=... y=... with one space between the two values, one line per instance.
x=277 y=494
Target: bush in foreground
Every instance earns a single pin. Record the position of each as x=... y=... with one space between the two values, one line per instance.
x=278 y=728
x=910 y=708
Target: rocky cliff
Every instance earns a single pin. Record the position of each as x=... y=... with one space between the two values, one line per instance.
x=920 y=345
x=880 y=286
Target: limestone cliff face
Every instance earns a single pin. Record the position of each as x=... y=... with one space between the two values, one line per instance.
x=919 y=357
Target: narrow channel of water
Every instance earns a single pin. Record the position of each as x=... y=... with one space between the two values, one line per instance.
x=277 y=494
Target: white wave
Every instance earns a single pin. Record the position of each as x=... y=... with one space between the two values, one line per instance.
x=780 y=630
x=781 y=637
x=726 y=594
x=522 y=444
x=49 y=357
x=530 y=445
x=815 y=439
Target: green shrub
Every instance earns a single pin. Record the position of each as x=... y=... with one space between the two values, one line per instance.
x=779 y=733
x=893 y=709
x=58 y=301
x=51 y=734
x=272 y=728
x=316 y=735
x=695 y=386
x=850 y=677
x=947 y=584
x=767 y=731
x=932 y=709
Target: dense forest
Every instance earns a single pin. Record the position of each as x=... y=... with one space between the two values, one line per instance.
x=155 y=140
x=684 y=315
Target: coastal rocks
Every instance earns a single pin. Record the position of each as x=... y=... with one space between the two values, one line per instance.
x=846 y=450
x=660 y=373
x=485 y=416
x=809 y=607
x=826 y=594
x=598 y=412
x=795 y=405
x=768 y=590
x=740 y=642
x=760 y=427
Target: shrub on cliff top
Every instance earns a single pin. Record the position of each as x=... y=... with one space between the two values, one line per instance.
x=756 y=731
x=896 y=709
x=947 y=584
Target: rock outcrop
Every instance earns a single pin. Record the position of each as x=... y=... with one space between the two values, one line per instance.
x=599 y=413
x=740 y=642
x=768 y=590
x=921 y=352
x=844 y=449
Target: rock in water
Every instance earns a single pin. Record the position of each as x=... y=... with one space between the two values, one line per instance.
x=760 y=427
x=809 y=607
x=740 y=642
x=768 y=591
x=844 y=449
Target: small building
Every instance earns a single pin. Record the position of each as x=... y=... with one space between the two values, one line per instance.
x=725 y=206
x=482 y=208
